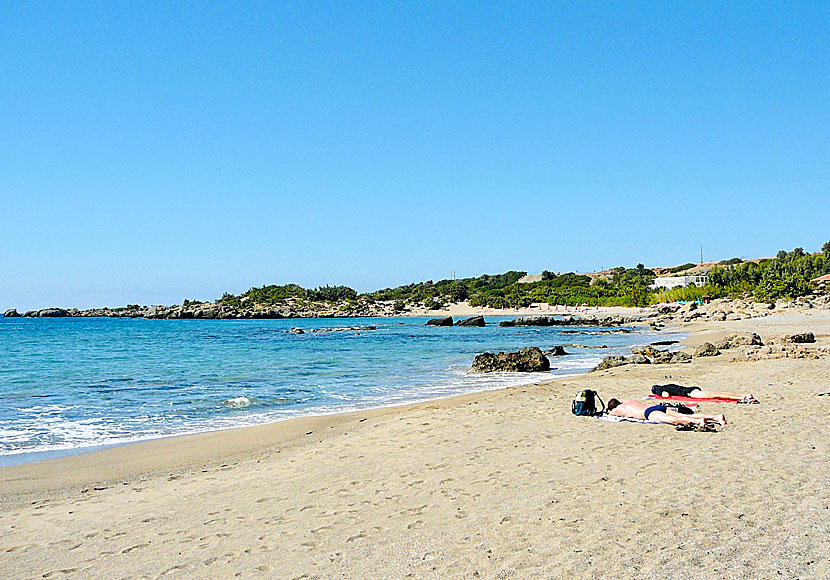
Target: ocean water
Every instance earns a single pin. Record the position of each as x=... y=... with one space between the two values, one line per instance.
x=74 y=384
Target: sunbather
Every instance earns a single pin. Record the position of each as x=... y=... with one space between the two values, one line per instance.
x=660 y=413
x=673 y=390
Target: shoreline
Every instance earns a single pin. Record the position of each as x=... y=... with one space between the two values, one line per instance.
x=579 y=361
x=168 y=450
x=458 y=309
x=494 y=482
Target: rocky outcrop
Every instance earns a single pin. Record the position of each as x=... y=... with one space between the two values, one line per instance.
x=444 y=321
x=557 y=350
x=569 y=321
x=706 y=349
x=802 y=338
x=665 y=358
x=527 y=360
x=643 y=356
x=610 y=362
x=340 y=329
x=472 y=321
x=48 y=313
x=648 y=351
x=727 y=309
x=11 y=313
x=597 y=332
x=784 y=350
x=736 y=340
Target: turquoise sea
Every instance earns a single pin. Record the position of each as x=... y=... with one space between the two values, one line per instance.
x=75 y=384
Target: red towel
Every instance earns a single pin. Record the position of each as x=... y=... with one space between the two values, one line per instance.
x=693 y=399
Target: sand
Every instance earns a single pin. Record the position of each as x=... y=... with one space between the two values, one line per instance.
x=502 y=484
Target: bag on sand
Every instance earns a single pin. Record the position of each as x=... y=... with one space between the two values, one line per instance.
x=585 y=404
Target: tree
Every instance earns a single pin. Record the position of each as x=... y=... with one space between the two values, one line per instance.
x=458 y=291
x=826 y=248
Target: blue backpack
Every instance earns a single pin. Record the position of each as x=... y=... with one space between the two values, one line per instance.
x=585 y=404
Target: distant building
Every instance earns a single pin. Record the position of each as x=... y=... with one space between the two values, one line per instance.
x=821 y=281
x=669 y=282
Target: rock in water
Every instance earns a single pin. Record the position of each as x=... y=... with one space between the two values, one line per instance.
x=706 y=349
x=557 y=350
x=11 y=313
x=472 y=321
x=445 y=321
x=527 y=360
x=52 y=313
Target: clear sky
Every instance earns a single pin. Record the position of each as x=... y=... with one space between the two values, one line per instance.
x=152 y=151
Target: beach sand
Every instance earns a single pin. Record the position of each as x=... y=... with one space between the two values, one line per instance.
x=501 y=484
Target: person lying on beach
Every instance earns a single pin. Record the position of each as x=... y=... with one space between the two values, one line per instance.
x=660 y=413
x=673 y=390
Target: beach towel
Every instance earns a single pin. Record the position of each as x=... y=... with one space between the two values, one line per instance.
x=693 y=399
x=616 y=419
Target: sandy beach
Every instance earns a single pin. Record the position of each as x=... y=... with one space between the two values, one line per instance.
x=501 y=484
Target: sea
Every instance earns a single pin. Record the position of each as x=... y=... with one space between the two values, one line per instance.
x=70 y=385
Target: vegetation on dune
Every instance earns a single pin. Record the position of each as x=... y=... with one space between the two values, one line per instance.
x=275 y=295
x=787 y=275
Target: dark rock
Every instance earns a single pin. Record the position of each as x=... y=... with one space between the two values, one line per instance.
x=445 y=321
x=557 y=350
x=11 y=313
x=297 y=331
x=706 y=349
x=566 y=321
x=52 y=313
x=664 y=342
x=597 y=332
x=472 y=321
x=610 y=362
x=802 y=338
x=526 y=360
x=639 y=359
x=340 y=329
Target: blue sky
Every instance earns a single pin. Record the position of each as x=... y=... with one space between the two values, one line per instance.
x=153 y=152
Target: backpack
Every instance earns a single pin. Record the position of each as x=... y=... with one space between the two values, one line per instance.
x=585 y=404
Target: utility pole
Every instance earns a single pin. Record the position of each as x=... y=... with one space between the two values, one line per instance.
x=701 y=254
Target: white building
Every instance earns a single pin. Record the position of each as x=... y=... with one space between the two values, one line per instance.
x=669 y=282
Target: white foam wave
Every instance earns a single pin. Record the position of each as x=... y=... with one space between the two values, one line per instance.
x=238 y=403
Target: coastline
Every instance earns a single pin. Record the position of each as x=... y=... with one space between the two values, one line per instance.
x=211 y=311
x=479 y=482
